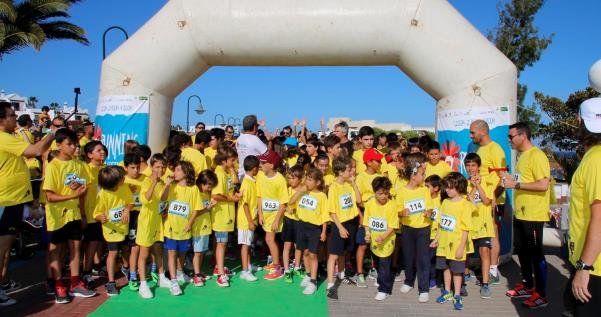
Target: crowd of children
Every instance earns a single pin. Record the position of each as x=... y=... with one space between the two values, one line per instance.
x=316 y=207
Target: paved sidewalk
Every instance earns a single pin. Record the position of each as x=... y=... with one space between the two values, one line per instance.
x=355 y=301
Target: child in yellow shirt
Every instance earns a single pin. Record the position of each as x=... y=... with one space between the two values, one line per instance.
x=113 y=207
x=433 y=184
x=294 y=177
x=184 y=204
x=380 y=220
x=223 y=214
x=272 y=194
x=452 y=241
x=65 y=185
x=311 y=209
x=247 y=215
x=134 y=180
x=201 y=231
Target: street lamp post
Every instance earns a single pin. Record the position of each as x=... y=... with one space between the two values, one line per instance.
x=200 y=110
x=215 y=119
x=114 y=27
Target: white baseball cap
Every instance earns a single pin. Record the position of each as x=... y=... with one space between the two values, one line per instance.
x=590 y=113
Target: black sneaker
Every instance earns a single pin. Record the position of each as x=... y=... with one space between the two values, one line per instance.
x=5 y=300
x=10 y=286
x=111 y=289
x=463 y=291
x=81 y=290
x=332 y=292
x=50 y=288
x=62 y=296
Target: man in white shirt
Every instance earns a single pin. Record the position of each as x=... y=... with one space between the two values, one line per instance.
x=248 y=143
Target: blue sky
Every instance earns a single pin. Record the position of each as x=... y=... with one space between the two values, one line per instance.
x=381 y=93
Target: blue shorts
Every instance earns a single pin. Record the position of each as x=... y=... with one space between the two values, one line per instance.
x=221 y=236
x=201 y=243
x=177 y=245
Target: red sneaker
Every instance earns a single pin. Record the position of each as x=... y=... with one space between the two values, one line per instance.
x=535 y=301
x=225 y=270
x=62 y=297
x=270 y=267
x=222 y=281
x=198 y=281
x=519 y=291
x=275 y=274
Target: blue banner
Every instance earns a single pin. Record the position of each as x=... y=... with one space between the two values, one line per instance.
x=120 y=118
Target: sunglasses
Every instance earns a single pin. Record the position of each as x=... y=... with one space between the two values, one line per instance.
x=512 y=136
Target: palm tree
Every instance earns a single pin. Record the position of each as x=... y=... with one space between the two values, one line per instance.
x=31 y=101
x=33 y=22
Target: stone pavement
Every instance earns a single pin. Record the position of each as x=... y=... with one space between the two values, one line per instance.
x=354 y=301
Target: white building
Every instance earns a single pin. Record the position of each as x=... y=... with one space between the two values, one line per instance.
x=21 y=107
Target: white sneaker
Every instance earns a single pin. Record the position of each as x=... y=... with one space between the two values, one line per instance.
x=376 y=284
x=406 y=288
x=310 y=289
x=247 y=276
x=145 y=291
x=305 y=282
x=423 y=297
x=164 y=281
x=175 y=289
x=381 y=296
x=181 y=278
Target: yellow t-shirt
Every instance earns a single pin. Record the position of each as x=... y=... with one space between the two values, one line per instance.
x=112 y=204
x=202 y=223
x=150 y=221
x=224 y=213
x=435 y=216
x=197 y=159
x=272 y=192
x=25 y=135
x=378 y=219
x=492 y=156
x=364 y=184
x=312 y=208
x=291 y=161
x=328 y=179
x=290 y=212
x=15 y=187
x=92 y=191
x=482 y=219
x=441 y=169
x=584 y=190
x=248 y=188
x=59 y=174
x=209 y=154
x=83 y=141
x=342 y=201
x=455 y=217
x=147 y=171
x=397 y=183
x=183 y=201
x=134 y=185
x=391 y=172
x=418 y=201
x=361 y=167
x=532 y=165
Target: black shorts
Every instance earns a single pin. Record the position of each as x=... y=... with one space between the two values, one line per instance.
x=336 y=244
x=70 y=231
x=93 y=232
x=133 y=227
x=360 y=236
x=289 y=230
x=116 y=246
x=307 y=236
x=12 y=220
x=483 y=243
x=443 y=263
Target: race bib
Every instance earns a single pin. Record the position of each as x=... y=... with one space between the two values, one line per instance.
x=205 y=204
x=448 y=223
x=73 y=177
x=377 y=224
x=137 y=201
x=270 y=205
x=116 y=214
x=346 y=201
x=308 y=202
x=477 y=199
x=229 y=184
x=434 y=214
x=179 y=208
x=416 y=206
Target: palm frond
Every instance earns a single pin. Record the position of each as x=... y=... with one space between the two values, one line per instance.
x=62 y=30
x=7 y=11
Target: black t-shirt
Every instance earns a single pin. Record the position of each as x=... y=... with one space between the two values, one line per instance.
x=349 y=147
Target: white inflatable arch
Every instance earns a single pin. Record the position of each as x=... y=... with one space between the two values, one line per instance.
x=427 y=39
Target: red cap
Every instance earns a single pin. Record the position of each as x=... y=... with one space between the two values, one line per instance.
x=372 y=155
x=269 y=157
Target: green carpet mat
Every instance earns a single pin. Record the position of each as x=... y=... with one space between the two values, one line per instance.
x=260 y=298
